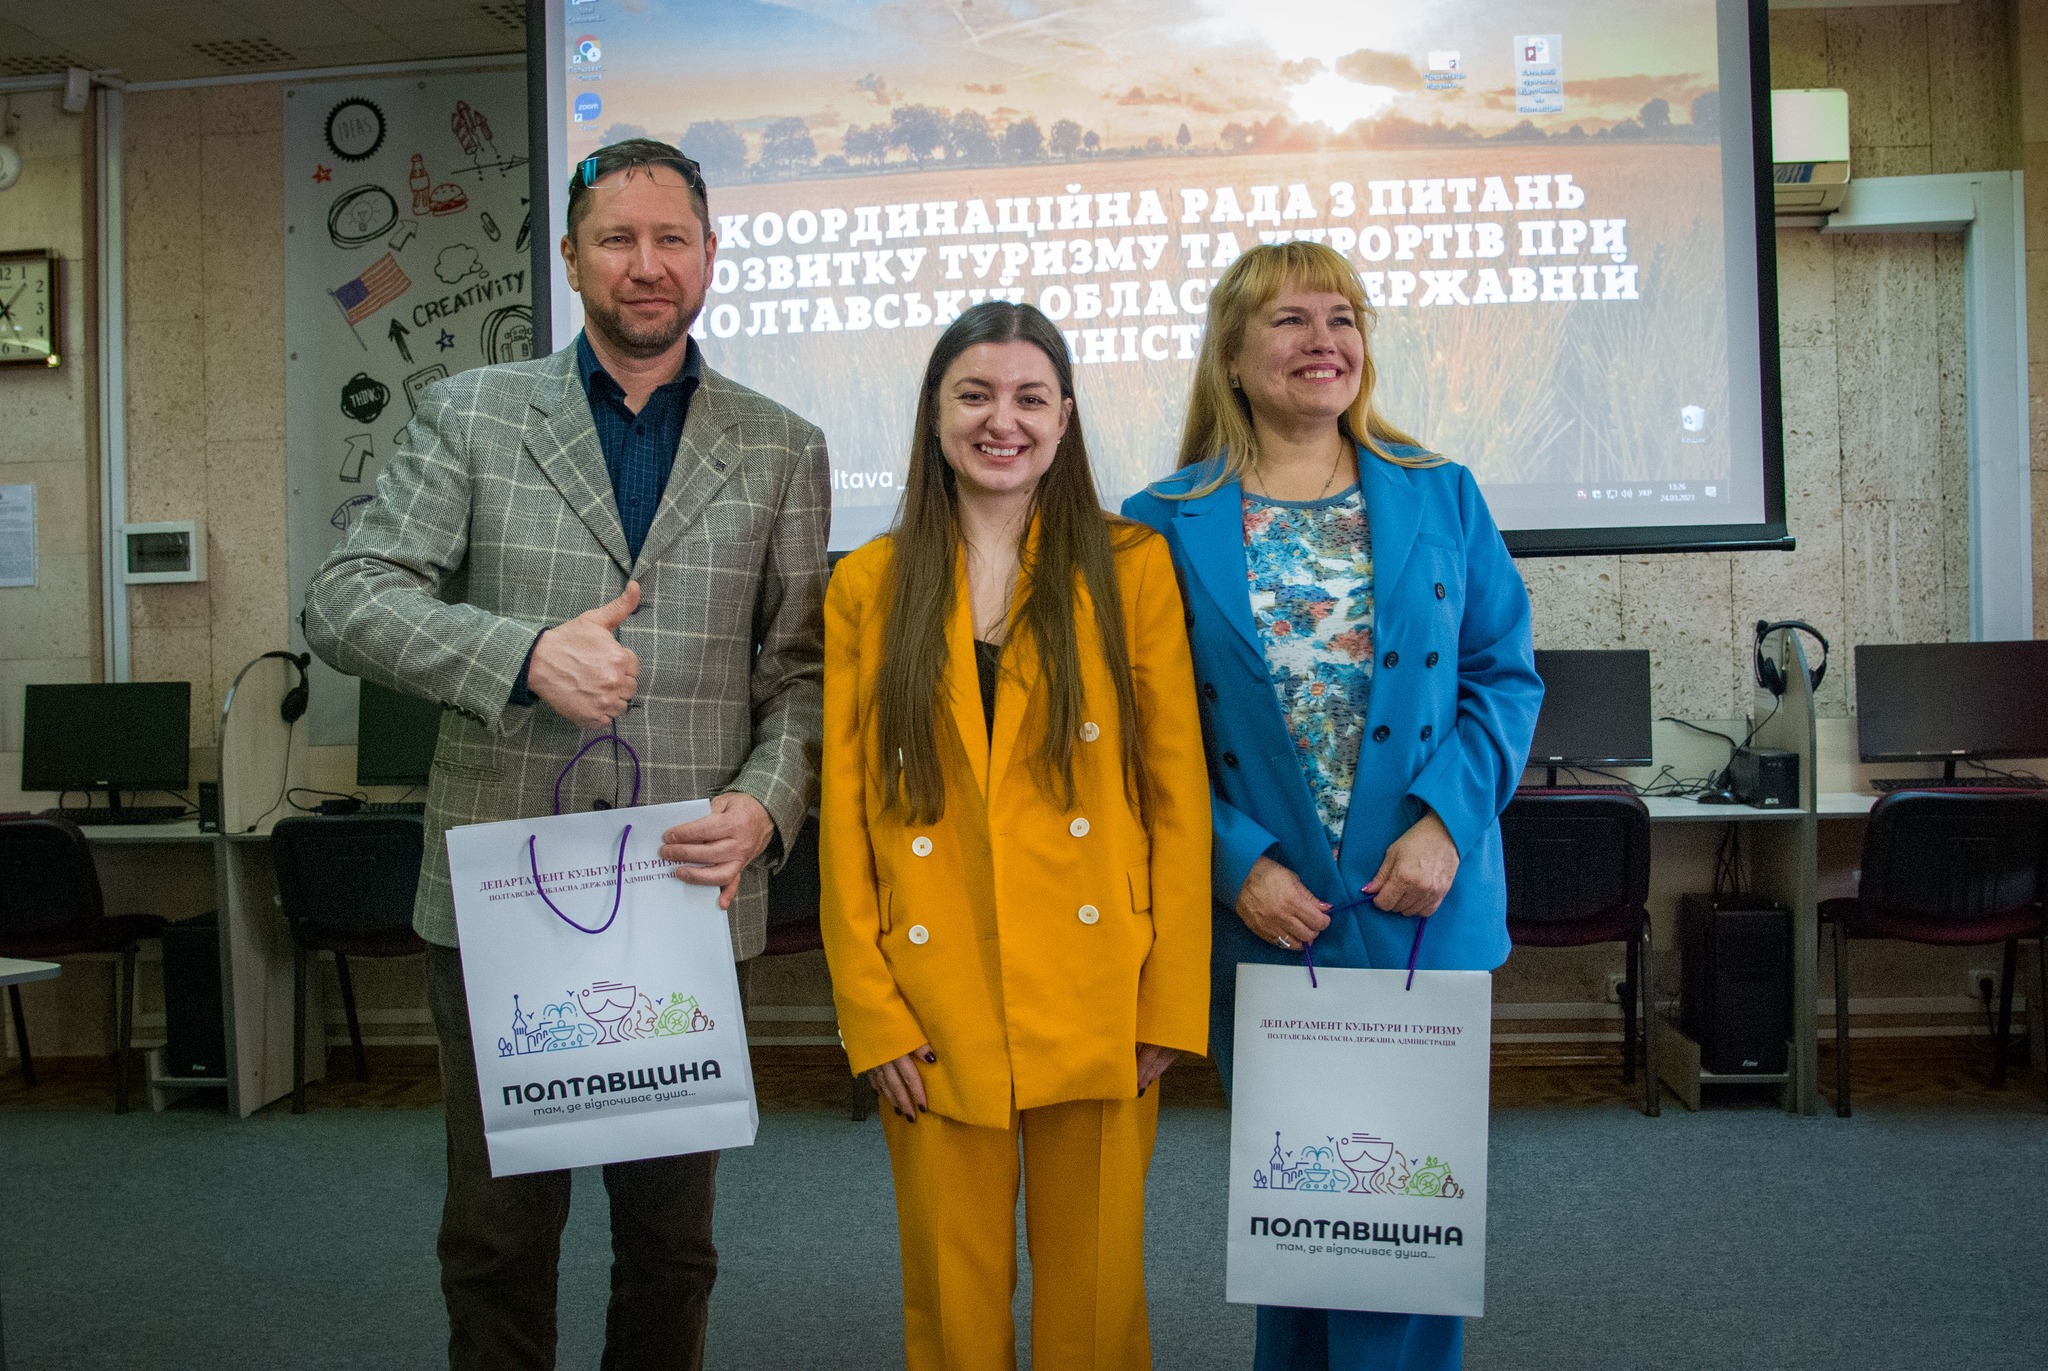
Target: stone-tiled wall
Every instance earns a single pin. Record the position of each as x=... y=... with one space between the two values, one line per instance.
x=1876 y=448
x=2030 y=58
x=51 y=631
x=205 y=208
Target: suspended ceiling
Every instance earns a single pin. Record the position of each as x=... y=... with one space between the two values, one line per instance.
x=176 y=40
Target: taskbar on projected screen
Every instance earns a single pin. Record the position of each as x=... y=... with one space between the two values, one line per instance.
x=1553 y=504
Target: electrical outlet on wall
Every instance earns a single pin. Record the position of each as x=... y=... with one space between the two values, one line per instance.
x=1615 y=980
x=1978 y=976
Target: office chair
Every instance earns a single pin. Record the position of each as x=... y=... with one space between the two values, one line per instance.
x=793 y=895
x=1950 y=869
x=1578 y=872
x=51 y=908
x=346 y=885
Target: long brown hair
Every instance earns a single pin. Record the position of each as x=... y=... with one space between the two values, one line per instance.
x=1219 y=417
x=1075 y=543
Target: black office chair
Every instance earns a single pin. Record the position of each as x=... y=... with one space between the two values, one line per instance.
x=51 y=908
x=1952 y=869
x=1578 y=869
x=346 y=886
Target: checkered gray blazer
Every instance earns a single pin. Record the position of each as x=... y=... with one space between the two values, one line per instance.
x=495 y=519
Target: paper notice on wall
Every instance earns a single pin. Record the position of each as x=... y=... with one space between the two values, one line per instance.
x=17 y=535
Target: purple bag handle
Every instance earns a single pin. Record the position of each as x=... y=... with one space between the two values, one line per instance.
x=618 y=866
x=1308 y=950
x=563 y=775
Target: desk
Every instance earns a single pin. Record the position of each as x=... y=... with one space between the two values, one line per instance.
x=1783 y=865
x=15 y=971
x=1780 y=848
x=255 y=957
x=1666 y=810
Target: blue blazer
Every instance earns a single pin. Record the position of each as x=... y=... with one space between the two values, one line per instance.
x=1454 y=701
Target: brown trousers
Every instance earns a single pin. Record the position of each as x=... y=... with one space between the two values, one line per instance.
x=501 y=1239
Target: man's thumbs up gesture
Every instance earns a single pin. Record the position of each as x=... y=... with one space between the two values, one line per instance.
x=581 y=670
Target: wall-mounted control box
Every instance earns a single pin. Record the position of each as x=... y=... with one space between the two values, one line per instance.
x=155 y=553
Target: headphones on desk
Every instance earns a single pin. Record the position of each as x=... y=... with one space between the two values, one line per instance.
x=292 y=707
x=1769 y=674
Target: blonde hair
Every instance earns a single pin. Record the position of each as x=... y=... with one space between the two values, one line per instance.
x=1219 y=417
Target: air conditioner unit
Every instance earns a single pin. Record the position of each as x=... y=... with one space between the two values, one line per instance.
x=1810 y=150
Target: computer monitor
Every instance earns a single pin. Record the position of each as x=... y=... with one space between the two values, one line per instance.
x=129 y=735
x=395 y=735
x=1596 y=710
x=1949 y=701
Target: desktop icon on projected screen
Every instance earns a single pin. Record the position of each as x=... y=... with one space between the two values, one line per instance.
x=588 y=107
x=1539 y=73
x=1446 y=71
x=1692 y=424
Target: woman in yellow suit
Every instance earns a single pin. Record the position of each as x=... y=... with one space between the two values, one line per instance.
x=1015 y=849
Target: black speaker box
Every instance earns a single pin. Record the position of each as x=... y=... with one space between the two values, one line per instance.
x=195 y=1031
x=209 y=806
x=1765 y=777
x=1735 y=983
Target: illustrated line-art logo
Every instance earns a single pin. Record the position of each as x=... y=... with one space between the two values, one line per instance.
x=1356 y=1164
x=600 y=1013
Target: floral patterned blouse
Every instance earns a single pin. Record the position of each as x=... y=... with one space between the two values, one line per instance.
x=1309 y=565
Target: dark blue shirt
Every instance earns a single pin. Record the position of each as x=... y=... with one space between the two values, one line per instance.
x=639 y=450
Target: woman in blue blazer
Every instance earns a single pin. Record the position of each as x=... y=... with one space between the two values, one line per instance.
x=1368 y=687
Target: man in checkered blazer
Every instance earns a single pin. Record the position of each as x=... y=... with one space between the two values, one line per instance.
x=613 y=537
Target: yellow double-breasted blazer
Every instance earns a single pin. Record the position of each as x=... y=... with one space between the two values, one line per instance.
x=1034 y=947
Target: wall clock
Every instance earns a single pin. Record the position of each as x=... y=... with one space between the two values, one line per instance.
x=31 y=308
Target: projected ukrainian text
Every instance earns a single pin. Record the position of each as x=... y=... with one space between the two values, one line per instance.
x=1542 y=236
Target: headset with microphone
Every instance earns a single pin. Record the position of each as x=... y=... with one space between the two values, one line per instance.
x=1768 y=674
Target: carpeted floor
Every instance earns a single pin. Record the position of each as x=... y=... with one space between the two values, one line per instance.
x=1910 y=1236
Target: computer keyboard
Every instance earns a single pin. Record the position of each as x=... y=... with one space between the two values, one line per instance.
x=1608 y=786
x=389 y=807
x=1885 y=785
x=128 y=814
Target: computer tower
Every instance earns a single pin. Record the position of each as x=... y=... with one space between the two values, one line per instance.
x=195 y=1033
x=1735 y=983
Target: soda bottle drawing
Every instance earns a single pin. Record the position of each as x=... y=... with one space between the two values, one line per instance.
x=422 y=184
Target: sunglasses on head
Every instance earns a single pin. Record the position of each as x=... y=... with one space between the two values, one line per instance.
x=587 y=172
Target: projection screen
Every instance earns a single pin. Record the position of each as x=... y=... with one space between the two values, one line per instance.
x=1559 y=208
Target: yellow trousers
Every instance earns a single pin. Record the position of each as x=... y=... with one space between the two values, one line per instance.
x=1083 y=1169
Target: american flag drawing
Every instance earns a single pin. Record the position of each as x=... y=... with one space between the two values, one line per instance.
x=381 y=283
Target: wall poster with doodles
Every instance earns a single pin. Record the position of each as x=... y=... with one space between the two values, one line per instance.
x=406 y=235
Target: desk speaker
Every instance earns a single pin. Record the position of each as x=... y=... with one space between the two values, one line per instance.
x=1765 y=777
x=209 y=806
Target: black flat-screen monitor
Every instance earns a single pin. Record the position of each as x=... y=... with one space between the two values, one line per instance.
x=1596 y=709
x=1921 y=701
x=395 y=735
x=129 y=735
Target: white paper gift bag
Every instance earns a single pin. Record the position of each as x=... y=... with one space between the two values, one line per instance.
x=603 y=1004
x=1358 y=1132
